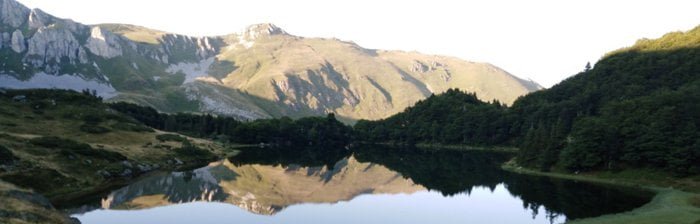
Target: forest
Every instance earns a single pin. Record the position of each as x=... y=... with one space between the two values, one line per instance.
x=637 y=108
x=309 y=131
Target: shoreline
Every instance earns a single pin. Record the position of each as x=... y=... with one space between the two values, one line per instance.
x=668 y=205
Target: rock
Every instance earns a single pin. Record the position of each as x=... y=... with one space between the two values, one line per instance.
x=103 y=43
x=38 y=19
x=53 y=44
x=20 y=98
x=420 y=67
x=144 y=168
x=126 y=172
x=127 y=164
x=104 y=173
x=174 y=43
x=13 y=13
x=18 y=44
x=262 y=30
x=74 y=220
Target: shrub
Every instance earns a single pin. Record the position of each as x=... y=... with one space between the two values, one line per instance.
x=189 y=150
x=695 y=201
x=170 y=137
x=92 y=118
x=93 y=129
x=68 y=147
x=131 y=127
x=6 y=156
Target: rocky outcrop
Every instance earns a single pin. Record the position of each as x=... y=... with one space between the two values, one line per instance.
x=180 y=48
x=12 y=13
x=262 y=30
x=18 y=43
x=53 y=44
x=38 y=19
x=103 y=43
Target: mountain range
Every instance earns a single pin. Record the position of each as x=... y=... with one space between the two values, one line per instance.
x=261 y=72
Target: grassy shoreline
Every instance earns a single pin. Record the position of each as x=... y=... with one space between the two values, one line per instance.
x=669 y=205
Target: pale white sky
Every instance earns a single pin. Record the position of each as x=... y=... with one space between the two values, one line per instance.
x=544 y=40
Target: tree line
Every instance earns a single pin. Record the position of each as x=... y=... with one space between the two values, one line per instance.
x=638 y=107
x=309 y=131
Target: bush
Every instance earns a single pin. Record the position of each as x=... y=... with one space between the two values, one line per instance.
x=92 y=118
x=132 y=127
x=68 y=147
x=695 y=201
x=6 y=156
x=170 y=137
x=93 y=129
x=189 y=150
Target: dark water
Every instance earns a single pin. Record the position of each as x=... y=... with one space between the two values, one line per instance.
x=365 y=185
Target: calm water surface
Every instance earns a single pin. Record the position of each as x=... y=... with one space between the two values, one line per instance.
x=366 y=185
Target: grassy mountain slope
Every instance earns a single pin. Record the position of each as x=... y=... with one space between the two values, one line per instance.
x=317 y=76
x=135 y=33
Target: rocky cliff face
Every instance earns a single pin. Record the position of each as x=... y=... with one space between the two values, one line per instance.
x=260 y=72
x=103 y=43
x=12 y=13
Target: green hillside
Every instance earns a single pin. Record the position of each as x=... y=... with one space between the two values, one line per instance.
x=637 y=108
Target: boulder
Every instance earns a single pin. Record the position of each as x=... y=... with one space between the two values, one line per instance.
x=17 y=43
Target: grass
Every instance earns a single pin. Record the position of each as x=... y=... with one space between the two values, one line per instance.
x=669 y=205
x=56 y=143
x=21 y=206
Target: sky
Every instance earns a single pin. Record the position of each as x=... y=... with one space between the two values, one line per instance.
x=543 y=40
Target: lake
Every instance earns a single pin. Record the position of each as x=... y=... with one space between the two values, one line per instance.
x=369 y=184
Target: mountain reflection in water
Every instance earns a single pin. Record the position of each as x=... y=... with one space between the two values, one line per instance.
x=266 y=181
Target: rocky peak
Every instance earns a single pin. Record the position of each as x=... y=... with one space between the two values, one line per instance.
x=103 y=43
x=262 y=30
x=13 y=13
x=38 y=19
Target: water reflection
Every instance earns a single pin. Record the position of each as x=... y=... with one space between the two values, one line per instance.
x=268 y=181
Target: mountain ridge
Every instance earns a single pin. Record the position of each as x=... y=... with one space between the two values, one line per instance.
x=260 y=72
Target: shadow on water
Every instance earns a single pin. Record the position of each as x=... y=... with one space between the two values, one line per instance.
x=453 y=172
x=446 y=171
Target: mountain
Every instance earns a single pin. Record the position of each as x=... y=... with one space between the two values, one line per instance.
x=261 y=72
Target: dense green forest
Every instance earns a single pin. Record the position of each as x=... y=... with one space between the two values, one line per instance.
x=638 y=107
x=309 y=131
x=453 y=117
